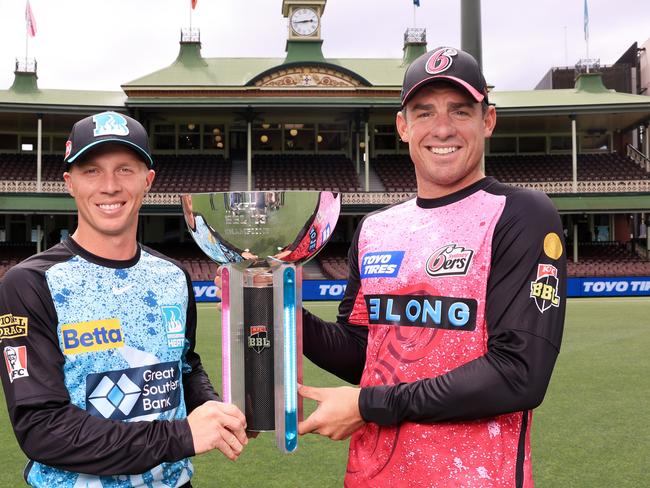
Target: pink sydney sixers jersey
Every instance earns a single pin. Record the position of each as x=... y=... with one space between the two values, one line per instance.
x=441 y=285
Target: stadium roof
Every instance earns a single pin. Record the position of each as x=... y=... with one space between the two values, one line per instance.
x=24 y=95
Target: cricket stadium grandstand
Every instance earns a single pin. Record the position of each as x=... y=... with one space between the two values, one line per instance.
x=306 y=121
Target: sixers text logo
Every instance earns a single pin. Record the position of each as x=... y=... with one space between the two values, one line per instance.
x=450 y=260
x=440 y=61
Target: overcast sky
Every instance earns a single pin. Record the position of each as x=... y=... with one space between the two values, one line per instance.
x=100 y=44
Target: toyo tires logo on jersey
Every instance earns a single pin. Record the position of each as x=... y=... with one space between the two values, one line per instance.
x=133 y=392
x=449 y=260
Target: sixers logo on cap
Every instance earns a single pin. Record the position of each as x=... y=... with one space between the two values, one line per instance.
x=441 y=60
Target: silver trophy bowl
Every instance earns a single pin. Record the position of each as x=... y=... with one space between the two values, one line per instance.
x=287 y=226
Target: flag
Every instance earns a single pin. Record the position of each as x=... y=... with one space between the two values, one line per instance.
x=194 y=2
x=586 y=22
x=30 y=20
x=416 y=3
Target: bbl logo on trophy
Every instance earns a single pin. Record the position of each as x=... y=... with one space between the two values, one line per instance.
x=258 y=339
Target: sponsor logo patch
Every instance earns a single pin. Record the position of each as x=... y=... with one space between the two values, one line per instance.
x=258 y=338
x=380 y=264
x=16 y=361
x=128 y=393
x=544 y=289
x=12 y=326
x=174 y=326
x=313 y=239
x=422 y=311
x=449 y=260
x=552 y=245
x=96 y=335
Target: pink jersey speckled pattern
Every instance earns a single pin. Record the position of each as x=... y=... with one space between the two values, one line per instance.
x=406 y=252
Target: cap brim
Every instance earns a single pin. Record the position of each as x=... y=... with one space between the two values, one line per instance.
x=474 y=93
x=146 y=157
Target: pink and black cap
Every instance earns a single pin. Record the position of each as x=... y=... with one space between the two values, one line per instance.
x=445 y=64
x=107 y=127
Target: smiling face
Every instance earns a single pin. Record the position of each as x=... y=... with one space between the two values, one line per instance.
x=108 y=187
x=445 y=129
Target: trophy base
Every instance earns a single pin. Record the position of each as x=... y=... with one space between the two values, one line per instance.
x=262 y=347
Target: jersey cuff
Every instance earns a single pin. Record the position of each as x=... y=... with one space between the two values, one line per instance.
x=375 y=405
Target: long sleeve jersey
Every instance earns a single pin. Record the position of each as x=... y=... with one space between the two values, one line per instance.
x=100 y=369
x=451 y=322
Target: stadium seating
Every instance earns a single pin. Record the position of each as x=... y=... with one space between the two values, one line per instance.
x=175 y=174
x=396 y=170
x=596 y=259
x=305 y=172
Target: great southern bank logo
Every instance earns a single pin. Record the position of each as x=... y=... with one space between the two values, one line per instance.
x=129 y=393
x=380 y=264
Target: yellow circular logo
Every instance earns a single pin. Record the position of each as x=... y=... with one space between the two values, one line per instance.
x=552 y=245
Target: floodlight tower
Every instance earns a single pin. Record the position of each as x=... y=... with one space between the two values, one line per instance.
x=470 y=29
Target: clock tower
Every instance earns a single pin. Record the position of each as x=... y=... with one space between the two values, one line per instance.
x=304 y=18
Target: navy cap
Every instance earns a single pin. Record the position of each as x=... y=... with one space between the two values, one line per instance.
x=445 y=64
x=106 y=127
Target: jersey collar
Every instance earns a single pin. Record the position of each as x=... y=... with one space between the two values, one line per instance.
x=75 y=248
x=456 y=196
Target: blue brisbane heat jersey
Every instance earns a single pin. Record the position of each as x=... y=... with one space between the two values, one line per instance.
x=100 y=368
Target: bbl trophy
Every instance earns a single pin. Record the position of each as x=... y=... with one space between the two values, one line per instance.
x=262 y=238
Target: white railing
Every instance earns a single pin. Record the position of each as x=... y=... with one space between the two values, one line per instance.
x=371 y=198
x=638 y=157
x=623 y=186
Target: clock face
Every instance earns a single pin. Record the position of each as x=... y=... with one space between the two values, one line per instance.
x=304 y=21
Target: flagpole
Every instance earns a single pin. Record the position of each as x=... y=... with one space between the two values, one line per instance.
x=414 y=7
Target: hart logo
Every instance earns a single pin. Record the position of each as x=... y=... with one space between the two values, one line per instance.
x=16 y=361
x=97 y=335
x=12 y=326
x=544 y=289
x=384 y=264
x=129 y=393
x=174 y=325
x=258 y=339
x=441 y=60
x=450 y=260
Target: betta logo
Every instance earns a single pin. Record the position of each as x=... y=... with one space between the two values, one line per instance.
x=440 y=61
x=450 y=260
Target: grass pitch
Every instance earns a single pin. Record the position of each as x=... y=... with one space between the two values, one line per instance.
x=593 y=429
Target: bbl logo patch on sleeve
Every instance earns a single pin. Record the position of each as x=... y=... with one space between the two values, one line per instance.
x=544 y=289
x=16 y=361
